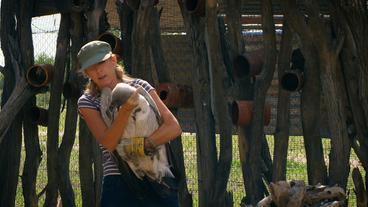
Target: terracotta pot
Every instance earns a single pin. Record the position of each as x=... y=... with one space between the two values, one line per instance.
x=39 y=115
x=39 y=75
x=196 y=7
x=249 y=63
x=292 y=80
x=241 y=113
x=175 y=95
x=114 y=42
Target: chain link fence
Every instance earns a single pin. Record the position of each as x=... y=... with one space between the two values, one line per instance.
x=44 y=37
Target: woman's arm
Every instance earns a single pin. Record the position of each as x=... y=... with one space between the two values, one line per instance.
x=109 y=137
x=169 y=128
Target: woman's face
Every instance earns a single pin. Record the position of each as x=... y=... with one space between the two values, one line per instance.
x=103 y=73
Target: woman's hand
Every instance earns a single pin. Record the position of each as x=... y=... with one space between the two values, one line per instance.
x=169 y=128
x=131 y=103
x=110 y=137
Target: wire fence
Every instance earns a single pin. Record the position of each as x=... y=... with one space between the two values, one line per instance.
x=44 y=34
x=44 y=37
x=296 y=167
x=296 y=162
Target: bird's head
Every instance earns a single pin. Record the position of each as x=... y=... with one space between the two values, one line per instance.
x=120 y=94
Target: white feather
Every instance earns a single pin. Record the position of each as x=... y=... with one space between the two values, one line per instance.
x=141 y=123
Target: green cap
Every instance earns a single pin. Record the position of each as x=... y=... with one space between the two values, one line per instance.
x=93 y=52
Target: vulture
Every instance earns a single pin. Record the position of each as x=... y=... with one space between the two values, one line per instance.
x=142 y=122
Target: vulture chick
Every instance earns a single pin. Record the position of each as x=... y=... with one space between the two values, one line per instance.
x=143 y=121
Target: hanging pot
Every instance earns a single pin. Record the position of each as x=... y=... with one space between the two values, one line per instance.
x=249 y=63
x=241 y=113
x=292 y=80
x=114 y=42
x=175 y=95
x=39 y=75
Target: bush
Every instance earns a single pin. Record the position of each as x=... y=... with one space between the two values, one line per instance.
x=44 y=58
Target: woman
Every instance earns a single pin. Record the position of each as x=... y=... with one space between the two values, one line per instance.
x=99 y=64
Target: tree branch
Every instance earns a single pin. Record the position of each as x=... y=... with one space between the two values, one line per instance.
x=297 y=20
x=13 y=47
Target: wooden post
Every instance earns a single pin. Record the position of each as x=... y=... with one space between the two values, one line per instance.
x=141 y=61
x=333 y=85
x=92 y=182
x=281 y=137
x=360 y=190
x=328 y=51
x=218 y=193
x=126 y=16
x=352 y=67
x=16 y=93
x=206 y=145
x=185 y=198
x=253 y=177
x=54 y=116
x=311 y=118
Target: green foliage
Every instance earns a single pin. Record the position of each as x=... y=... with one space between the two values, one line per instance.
x=43 y=99
x=1 y=81
x=44 y=58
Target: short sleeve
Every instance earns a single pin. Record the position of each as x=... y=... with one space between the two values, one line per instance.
x=145 y=85
x=87 y=101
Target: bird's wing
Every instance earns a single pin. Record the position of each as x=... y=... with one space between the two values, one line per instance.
x=151 y=102
x=105 y=103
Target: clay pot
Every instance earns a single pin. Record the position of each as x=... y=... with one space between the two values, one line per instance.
x=241 y=113
x=249 y=63
x=292 y=80
x=175 y=95
x=39 y=75
x=114 y=42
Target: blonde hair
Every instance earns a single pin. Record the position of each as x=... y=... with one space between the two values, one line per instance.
x=92 y=89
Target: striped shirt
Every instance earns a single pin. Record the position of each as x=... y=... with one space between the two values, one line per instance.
x=93 y=102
